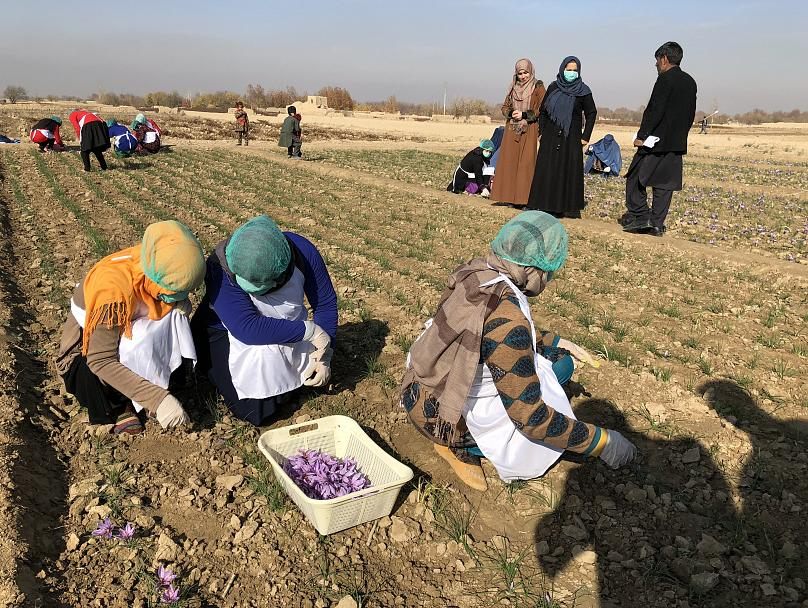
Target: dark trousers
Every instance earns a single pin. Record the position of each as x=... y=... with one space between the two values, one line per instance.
x=213 y=350
x=291 y=150
x=85 y=158
x=103 y=402
x=242 y=135
x=46 y=144
x=637 y=201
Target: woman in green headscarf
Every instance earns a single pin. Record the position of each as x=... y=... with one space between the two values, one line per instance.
x=255 y=340
x=477 y=383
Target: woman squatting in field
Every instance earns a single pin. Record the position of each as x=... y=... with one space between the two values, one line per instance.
x=128 y=329
x=148 y=134
x=252 y=332
x=478 y=383
x=45 y=132
x=93 y=136
x=470 y=177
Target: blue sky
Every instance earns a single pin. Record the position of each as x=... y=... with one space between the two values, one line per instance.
x=734 y=50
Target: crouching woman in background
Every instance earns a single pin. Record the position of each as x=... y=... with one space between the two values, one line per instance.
x=252 y=330
x=471 y=176
x=128 y=330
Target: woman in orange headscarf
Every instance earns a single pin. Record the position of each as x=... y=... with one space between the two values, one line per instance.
x=128 y=329
x=517 y=153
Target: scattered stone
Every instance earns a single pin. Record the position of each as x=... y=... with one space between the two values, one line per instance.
x=768 y=589
x=229 y=482
x=542 y=548
x=347 y=602
x=72 y=542
x=584 y=556
x=167 y=549
x=246 y=532
x=691 y=456
x=789 y=550
x=637 y=495
x=703 y=581
x=575 y=532
x=399 y=531
x=710 y=547
x=754 y=565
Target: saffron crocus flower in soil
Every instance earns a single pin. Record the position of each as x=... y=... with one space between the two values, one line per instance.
x=322 y=476
x=127 y=532
x=165 y=576
x=170 y=595
x=104 y=529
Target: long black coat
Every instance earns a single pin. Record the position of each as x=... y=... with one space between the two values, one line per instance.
x=670 y=111
x=558 y=182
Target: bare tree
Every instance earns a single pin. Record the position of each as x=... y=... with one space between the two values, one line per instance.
x=15 y=93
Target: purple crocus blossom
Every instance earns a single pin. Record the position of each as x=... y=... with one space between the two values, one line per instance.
x=322 y=476
x=170 y=595
x=104 y=529
x=165 y=577
x=127 y=532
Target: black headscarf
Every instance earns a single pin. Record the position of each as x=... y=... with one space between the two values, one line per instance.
x=560 y=101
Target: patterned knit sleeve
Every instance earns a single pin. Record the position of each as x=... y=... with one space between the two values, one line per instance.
x=507 y=351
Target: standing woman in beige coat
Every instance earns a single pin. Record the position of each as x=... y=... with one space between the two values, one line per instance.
x=517 y=156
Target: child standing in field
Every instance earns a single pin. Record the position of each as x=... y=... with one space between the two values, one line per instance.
x=297 y=139
x=242 y=124
x=290 y=125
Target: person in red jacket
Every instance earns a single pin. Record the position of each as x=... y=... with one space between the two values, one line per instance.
x=45 y=132
x=93 y=135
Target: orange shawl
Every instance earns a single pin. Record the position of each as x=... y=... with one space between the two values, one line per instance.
x=112 y=290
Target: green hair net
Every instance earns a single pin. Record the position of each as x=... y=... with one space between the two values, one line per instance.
x=487 y=144
x=111 y=122
x=56 y=119
x=533 y=238
x=258 y=254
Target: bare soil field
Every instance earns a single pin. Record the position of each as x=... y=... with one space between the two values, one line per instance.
x=703 y=336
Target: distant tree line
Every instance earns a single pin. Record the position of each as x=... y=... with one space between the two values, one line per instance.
x=339 y=98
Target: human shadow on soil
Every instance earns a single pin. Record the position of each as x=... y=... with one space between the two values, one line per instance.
x=357 y=347
x=38 y=474
x=664 y=529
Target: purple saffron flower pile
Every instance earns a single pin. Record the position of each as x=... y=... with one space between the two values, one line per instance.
x=322 y=476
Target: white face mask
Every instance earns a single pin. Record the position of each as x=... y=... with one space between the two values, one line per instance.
x=487 y=153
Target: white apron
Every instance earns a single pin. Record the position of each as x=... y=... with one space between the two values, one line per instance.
x=266 y=370
x=156 y=348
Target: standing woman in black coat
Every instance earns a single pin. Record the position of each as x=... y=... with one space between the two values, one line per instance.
x=566 y=119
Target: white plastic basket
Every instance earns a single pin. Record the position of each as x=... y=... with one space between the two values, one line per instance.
x=342 y=437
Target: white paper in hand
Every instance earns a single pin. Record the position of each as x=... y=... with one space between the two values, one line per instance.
x=649 y=142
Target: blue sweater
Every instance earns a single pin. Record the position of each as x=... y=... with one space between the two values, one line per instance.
x=227 y=304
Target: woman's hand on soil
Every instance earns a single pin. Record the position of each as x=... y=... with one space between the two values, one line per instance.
x=579 y=353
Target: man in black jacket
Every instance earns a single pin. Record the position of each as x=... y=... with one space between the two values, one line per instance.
x=661 y=142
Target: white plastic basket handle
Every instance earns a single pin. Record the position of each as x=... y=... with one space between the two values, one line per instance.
x=304 y=429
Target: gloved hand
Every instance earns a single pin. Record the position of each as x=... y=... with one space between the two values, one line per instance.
x=578 y=352
x=321 y=342
x=170 y=413
x=485 y=193
x=321 y=370
x=618 y=450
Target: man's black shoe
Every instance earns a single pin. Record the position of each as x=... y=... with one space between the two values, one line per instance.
x=658 y=231
x=638 y=227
